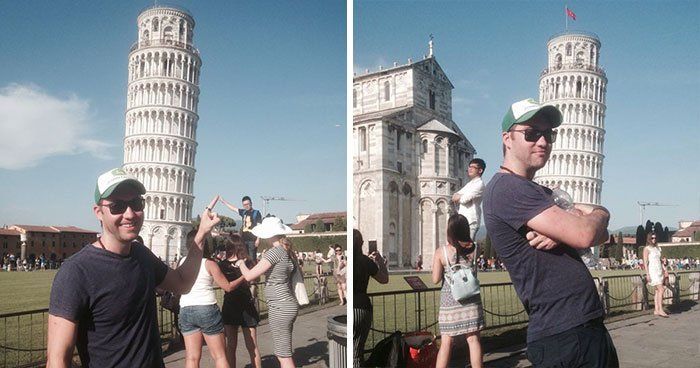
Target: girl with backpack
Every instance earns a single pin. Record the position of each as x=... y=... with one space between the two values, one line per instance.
x=461 y=312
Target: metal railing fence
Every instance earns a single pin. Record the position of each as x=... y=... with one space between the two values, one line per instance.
x=23 y=334
x=417 y=310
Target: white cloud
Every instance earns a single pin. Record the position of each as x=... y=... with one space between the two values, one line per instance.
x=35 y=125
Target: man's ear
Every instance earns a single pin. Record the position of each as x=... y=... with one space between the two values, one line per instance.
x=97 y=210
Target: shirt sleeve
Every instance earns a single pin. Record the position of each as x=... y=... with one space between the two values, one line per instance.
x=258 y=218
x=372 y=268
x=471 y=191
x=274 y=255
x=517 y=201
x=241 y=212
x=69 y=299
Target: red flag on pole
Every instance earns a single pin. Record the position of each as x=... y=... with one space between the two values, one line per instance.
x=570 y=13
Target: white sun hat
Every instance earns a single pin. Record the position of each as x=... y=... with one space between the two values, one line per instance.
x=271 y=226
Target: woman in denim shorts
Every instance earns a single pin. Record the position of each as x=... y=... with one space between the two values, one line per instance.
x=200 y=317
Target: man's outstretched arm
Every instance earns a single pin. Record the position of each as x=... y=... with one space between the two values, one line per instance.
x=181 y=279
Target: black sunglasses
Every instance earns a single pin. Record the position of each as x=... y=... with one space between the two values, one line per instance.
x=533 y=135
x=118 y=207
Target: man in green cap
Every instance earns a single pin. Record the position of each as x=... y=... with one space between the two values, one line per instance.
x=538 y=243
x=103 y=297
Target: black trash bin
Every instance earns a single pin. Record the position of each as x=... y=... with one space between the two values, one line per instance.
x=337 y=341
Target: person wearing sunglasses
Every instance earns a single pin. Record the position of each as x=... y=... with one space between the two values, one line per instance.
x=469 y=197
x=538 y=242
x=103 y=297
x=656 y=273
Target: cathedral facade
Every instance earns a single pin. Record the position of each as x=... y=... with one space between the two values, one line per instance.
x=409 y=158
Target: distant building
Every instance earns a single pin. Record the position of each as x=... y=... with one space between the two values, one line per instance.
x=328 y=219
x=55 y=242
x=686 y=232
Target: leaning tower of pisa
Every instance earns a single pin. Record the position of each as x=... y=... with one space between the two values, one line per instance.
x=161 y=124
x=575 y=83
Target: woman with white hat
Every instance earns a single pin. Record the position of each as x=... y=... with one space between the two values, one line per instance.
x=278 y=264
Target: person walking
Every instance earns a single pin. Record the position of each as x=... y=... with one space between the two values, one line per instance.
x=656 y=273
x=278 y=264
x=339 y=273
x=239 y=306
x=458 y=318
x=537 y=242
x=364 y=267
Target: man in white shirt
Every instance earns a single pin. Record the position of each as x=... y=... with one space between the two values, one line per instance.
x=469 y=197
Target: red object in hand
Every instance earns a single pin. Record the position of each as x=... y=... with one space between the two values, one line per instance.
x=570 y=13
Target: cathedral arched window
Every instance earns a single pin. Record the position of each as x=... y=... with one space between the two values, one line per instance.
x=579 y=58
x=431 y=98
x=424 y=149
x=387 y=91
x=354 y=98
x=168 y=34
x=557 y=61
x=155 y=24
x=568 y=49
x=578 y=89
x=363 y=139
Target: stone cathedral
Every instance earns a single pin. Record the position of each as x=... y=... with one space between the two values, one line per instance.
x=409 y=157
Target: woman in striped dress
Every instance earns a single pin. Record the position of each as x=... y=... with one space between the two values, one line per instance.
x=278 y=264
x=458 y=318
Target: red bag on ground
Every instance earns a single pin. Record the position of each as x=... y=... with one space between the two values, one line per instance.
x=422 y=350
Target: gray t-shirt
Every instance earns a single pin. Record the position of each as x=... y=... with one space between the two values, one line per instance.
x=555 y=286
x=112 y=299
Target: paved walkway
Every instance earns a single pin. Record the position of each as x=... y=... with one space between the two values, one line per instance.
x=644 y=341
x=310 y=343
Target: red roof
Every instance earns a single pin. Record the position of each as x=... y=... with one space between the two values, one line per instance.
x=688 y=231
x=73 y=229
x=54 y=229
x=9 y=232
x=37 y=229
x=326 y=217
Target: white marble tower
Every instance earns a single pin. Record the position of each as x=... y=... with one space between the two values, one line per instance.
x=575 y=83
x=161 y=124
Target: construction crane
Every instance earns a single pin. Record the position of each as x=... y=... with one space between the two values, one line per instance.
x=267 y=199
x=643 y=206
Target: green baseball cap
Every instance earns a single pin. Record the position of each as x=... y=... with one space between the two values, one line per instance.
x=109 y=181
x=524 y=110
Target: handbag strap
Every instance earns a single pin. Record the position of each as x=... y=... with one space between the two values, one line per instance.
x=449 y=268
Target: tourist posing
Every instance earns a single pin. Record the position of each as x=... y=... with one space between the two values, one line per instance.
x=239 y=305
x=250 y=218
x=278 y=264
x=656 y=273
x=469 y=197
x=103 y=297
x=538 y=242
x=458 y=317
x=364 y=267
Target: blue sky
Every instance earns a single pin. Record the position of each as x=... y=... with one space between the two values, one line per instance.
x=493 y=52
x=272 y=108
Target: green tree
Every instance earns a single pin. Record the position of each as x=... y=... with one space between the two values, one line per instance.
x=696 y=236
x=320 y=226
x=196 y=221
x=339 y=224
x=648 y=227
x=227 y=223
x=309 y=228
x=659 y=231
x=667 y=235
x=641 y=236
